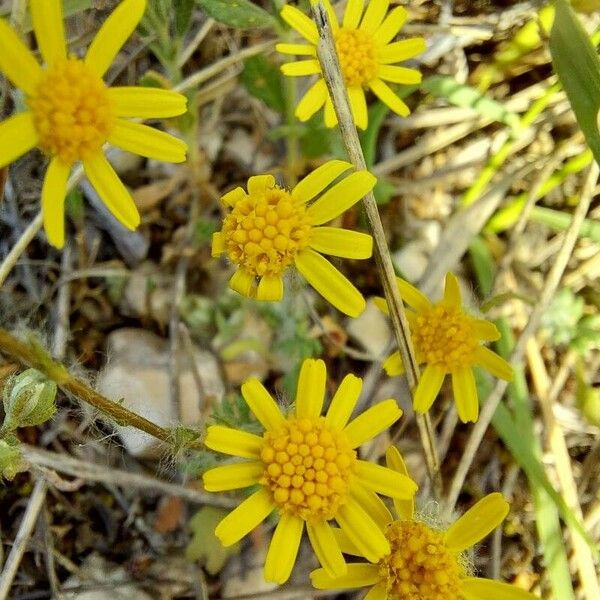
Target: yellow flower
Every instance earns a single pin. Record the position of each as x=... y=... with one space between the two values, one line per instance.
x=308 y=471
x=72 y=113
x=448 y=341
x=425 y=563
x=270 y=229
x=366 y=54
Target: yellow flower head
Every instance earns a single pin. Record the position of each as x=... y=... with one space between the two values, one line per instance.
x=271 y=228
x=72 y=113
x=308 y=471
x=424 y=562
x=366 y=54
x=448 y=341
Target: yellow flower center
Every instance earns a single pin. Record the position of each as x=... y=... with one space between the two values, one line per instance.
x=71 y=111
x=357 y=55
x=419 y=566
x=443 y=336
x=265 y=231
x=307 y=468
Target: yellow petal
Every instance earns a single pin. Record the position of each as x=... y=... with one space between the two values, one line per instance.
x=495 y=364
x=18 y=136
x=242 y=520
x=301 y=68
x=270 y=288
x=331 y=119
x=372 y=505
x=326 y=548
x=383 y=91
x=393 y=365
x=381 y=304
x=283 y=548
x=372 y=422
x=233 y=441
x=312 y=101
x=300 y=22
x=400 y=51
x=113 y=34
x=243 y=283
x=316 y=181
x=374 y=15
x=233 y=477
x=401 y=75
x=146 y=102
x=17 y=62
x=341 y=197
x=296 y=49
x=377 y=592
x=353 y=13
x=47 y=20
x=391 y=25
x=232 y=197
x=330 y=283
x=344 y=401
x=358 y=105
x=428 y=388
x=362 y=531
x=405 y=508
x=341 y=242
x=465 y=394
x=258 y=184
x=111 y=189
x=385 y=481
x=261 y=403
x=332 y=16
x=452 y=291
x=485 y=330
x=343 y=541
x=358 y=575
x=480 y=520
x=412 y=296
x=54 y=191
x=146 y=141
x=311 y=389
x=218 y=244
x=477 y=588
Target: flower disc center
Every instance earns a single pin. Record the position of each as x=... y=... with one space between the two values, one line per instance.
x=71 y=111
x=357 y=55
x=419 y=566
x=265 y=231
x=443 y=336
x=307 y=468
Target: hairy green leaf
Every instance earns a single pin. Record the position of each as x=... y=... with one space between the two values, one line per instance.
x=242 y=14
x=263 y=79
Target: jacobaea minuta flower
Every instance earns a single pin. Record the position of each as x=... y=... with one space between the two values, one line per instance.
x=366 y=54
x=270 y=229
x=448 y=341
x=72 y=113
x=308 y=472
x=425 y=562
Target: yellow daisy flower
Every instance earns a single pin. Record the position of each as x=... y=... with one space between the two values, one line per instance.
x=424 y=562
x=270 y=229
x=366 y=54
x=72 y=113
x=448 y=341
x=308 y=471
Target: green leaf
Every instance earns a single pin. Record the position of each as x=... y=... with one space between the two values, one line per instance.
x=242 y=14
x=368 y=138
x=183 y=16
x=316 y=139
x=577 y=65
x=468 y=97
x=204 y=545
x=263 y=79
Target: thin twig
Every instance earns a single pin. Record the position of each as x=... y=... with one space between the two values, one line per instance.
x=337 y=90
x=34 y=506
x=552 y=282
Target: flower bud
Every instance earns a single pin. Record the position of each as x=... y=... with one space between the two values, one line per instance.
x=29 y=399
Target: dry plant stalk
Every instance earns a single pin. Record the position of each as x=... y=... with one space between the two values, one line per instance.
x=335 y=84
